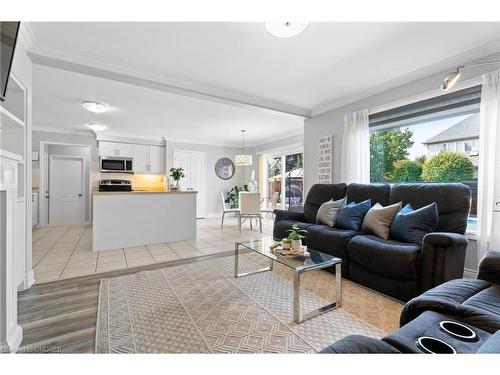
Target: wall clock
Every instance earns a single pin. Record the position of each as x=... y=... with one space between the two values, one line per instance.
x=224 y=168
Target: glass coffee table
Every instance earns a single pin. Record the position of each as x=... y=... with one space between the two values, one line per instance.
x=299 y=265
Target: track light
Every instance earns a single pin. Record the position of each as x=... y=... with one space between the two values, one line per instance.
x=452 y=78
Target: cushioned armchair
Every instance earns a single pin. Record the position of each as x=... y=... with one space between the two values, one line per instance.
x=472 y=302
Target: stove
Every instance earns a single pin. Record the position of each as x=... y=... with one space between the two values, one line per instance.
x=115 y=185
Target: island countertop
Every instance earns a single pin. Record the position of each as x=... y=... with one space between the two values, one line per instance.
x=97 y=192
x=135 y=218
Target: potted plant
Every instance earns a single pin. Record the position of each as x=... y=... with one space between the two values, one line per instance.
x=233 y=195
x=176 y=174
x=286 y=243
x=295 y=236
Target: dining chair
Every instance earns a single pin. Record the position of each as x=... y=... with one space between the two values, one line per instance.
x=249 y=209
x=226 y=209
x=273 y=204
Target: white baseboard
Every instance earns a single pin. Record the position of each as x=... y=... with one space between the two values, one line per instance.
x=14 y=339
x=29 y=280
x=470 y=274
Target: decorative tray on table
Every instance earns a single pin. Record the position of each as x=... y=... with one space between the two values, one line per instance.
x=278 y=249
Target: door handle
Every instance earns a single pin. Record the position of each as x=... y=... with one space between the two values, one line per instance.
x=80 y=195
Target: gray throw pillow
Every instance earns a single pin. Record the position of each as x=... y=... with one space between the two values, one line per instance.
x=379 y=218
x=328 y=212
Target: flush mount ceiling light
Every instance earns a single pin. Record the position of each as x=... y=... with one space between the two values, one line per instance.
x=97 y=127
x=243 y=159
x=452 y=78
x=95 y=107
x=286 y=29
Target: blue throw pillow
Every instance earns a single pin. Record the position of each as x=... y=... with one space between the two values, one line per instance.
x=351 y=215
x=411 y=225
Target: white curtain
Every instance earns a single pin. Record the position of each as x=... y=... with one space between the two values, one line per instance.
x=356 y=148
x=488 y=208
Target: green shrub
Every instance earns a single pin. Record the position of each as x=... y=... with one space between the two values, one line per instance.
x=448 y=167
x=406 y=171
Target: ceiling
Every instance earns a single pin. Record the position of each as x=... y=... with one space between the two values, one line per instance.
x=147 y=112
x=219 y=77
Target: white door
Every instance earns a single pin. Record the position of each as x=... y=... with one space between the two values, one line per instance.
x=66 y=202
x=194 y=164
x=141 y=158
x=156 y=159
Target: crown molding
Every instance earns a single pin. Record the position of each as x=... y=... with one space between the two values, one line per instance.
x=443 y=65
x=26 y=36
x=92 y=65
x=50 y=129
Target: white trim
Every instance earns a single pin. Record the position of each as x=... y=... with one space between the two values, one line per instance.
x=26 y=36
x=292 y=148
x=42 y=213
x=10 y=155
x=51 y=159
x=162 y=82
x=48 y=129
x=426 y=95
x=438 y=67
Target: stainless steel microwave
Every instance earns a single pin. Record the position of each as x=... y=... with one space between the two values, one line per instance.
x=110 y=164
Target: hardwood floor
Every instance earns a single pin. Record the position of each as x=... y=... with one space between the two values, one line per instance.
x=61 y=316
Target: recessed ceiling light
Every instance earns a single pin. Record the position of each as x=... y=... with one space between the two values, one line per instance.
x=286 y=29
x=95 y=107
x=97 y=127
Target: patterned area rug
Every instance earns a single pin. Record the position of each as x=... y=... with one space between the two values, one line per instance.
x=200 y=308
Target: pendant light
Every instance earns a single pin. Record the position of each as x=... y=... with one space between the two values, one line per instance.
x=243 y=159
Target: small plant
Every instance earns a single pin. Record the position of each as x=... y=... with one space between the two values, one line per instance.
x=296 y=233
x=177 y=173
x=233 y=195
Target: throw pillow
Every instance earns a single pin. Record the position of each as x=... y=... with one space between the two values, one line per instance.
x=351 y=215
x=328 y=212
x=379 y=218
x=411 y=225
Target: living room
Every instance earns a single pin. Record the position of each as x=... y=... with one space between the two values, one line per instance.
x=204 y=186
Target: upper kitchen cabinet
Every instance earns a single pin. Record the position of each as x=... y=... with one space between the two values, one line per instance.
x=116 y=149
x=149 y=159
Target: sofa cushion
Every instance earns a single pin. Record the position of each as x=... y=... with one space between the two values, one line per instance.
x=379 y=218
x=391 y=258
x=282 y=226
x=328 y=212
x=351 y=215
x=474 y=302
x=377 y=193
x=452 y=199
x=356 y=344
x=411 y=225
x=328 y=240
x=319 y=194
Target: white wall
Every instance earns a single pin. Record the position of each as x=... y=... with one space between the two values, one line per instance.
x=214 y=184
x=332 y=123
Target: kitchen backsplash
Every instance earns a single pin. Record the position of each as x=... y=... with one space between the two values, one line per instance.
x=139 y=181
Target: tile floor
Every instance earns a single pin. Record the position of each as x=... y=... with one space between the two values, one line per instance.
x=63 y=252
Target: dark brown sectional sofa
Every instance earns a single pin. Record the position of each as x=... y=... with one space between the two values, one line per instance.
x=402 y=270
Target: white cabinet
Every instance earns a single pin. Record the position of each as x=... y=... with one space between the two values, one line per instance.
x=34 y=210
x=116 y=149
x=149 y=159
x=156 y=159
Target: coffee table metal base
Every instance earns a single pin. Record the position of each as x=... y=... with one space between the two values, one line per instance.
x=296 y=288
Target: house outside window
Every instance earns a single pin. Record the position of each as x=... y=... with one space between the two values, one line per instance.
x=432 y=141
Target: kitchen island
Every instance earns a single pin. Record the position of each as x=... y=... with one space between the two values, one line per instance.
x=133 y=218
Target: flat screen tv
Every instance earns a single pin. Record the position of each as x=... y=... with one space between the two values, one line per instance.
x=8 y=38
